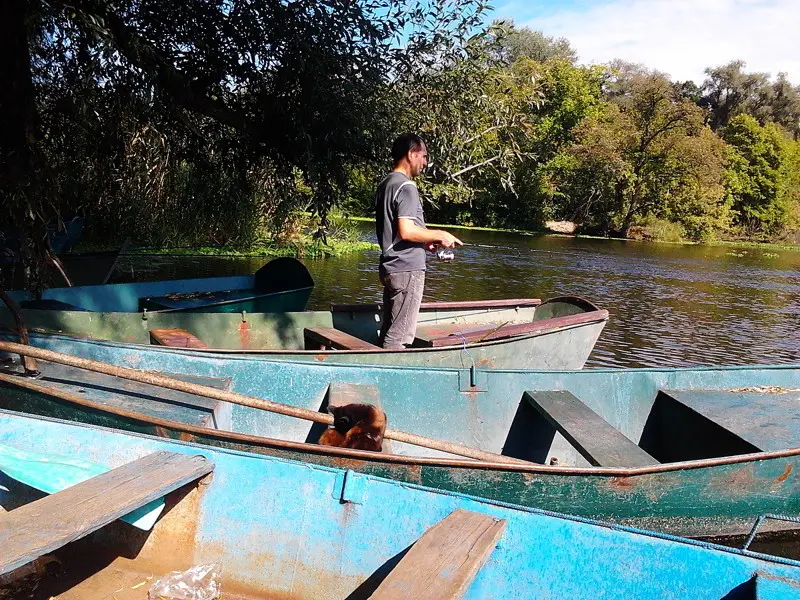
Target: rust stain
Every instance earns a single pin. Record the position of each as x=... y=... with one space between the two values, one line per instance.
x=739 y=479
x=185 y=436
x=320 y=357
x=486 y=362
x=244 y=335
x=785 y=475
x=622 y=482
x=414 y=473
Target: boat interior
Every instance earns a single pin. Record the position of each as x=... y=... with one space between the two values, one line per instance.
x=600 y=423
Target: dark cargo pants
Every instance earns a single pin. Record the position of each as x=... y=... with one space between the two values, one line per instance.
x=402 y=295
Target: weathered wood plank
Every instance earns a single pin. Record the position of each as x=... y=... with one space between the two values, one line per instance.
x=450 y=335
x=45 y=525
x=328 y=337
x=591 y=435
x=445 y=560
x=341 y=394
x=176 y=338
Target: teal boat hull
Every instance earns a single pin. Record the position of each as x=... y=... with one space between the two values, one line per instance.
x=282 y=285
x=480 y=408
x=285 y=529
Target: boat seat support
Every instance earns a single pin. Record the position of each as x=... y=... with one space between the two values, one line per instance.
x=591 y=435
x=444 y=561
x=324 y=338
x=35 y=529
x=176 y=338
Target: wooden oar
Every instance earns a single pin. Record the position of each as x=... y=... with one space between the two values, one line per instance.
x=241 y=399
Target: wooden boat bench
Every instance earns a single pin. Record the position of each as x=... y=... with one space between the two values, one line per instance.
x=341 y=394
x=444 y=561
x=35 y=529
x=325 y=338
x=176 y=338
x=768 y=420
x=437 y=335
x=591 y=435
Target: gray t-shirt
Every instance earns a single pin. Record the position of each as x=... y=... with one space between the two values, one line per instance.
x=397 y=197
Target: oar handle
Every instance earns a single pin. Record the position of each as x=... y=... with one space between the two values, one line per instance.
x=155 y=379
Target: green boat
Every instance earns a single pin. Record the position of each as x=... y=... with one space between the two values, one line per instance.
x=226 y=315
x=695 y=452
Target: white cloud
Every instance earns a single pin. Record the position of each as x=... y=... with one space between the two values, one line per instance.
x=682 y=37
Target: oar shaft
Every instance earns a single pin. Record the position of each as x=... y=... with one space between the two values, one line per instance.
x=155 y=379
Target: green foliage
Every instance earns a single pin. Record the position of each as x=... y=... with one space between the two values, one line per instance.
x=189 y=123
x=759 y=175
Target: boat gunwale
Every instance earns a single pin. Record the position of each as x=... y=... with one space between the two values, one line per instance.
x=444 y=305
x=336 y=452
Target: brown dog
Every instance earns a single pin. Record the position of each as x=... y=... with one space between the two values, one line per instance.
x=358 y=426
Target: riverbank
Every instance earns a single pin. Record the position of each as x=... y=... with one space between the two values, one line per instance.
x=559 y=230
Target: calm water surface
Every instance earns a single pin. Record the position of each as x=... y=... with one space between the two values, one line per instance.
x=670 y=305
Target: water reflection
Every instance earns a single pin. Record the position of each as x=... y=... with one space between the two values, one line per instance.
x=671 y=305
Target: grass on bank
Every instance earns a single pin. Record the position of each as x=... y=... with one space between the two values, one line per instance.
x=297 y=249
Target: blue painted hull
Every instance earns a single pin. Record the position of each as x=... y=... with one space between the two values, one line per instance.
x=290 y=530
x=265 y=291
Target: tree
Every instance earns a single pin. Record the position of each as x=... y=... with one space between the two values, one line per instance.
x=785 y=105
x=729 y=91
x=516 y=43
x=646 y=154
x=250 y=91
x=758 y=178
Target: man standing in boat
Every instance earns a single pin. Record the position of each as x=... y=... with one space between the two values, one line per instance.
x=403 y=237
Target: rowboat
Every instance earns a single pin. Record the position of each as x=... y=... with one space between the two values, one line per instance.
x=693 y=452
x=557 y=334
x=283 y=284
x=283 y=529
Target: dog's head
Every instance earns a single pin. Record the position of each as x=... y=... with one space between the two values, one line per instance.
x=349 y=415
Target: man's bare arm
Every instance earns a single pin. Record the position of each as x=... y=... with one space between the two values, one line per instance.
x=411 y=232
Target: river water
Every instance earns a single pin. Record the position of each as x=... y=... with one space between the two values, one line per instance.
x=670 y=305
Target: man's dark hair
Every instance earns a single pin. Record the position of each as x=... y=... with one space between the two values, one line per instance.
x=404 y=144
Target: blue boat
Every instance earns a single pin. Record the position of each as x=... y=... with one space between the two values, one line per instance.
x=282 y=285
x=285 y=529
x=632 y=446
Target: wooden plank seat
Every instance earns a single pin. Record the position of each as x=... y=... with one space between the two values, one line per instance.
x=590 y=434
x=341 y=394
x=768 y=420
x=454 y=334
x=176 y=338
x=35 y=529
x=444 y=561
x=324 y=338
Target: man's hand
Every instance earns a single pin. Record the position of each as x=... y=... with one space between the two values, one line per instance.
x=447 y=240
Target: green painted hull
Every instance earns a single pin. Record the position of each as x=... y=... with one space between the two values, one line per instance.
x=279 y=335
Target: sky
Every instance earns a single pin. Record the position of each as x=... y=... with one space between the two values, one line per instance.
x=679 y=37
